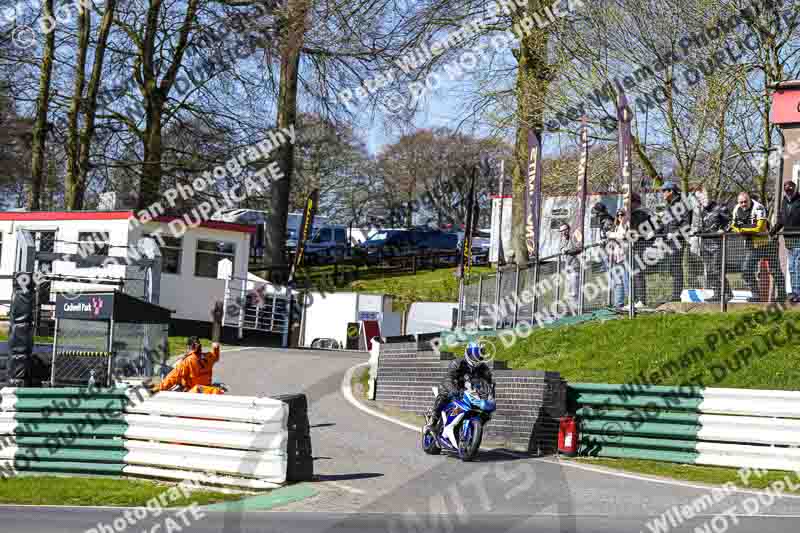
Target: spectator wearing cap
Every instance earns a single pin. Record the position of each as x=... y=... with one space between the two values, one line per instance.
x=570 y=266
x=789 y=222
x=675 y=217
x=750 y=221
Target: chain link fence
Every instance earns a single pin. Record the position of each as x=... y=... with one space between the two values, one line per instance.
x=720 y=268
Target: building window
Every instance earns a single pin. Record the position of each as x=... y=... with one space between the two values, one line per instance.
x=208 y=256
x=324 y=235
x=92 y=243
x=171 y=252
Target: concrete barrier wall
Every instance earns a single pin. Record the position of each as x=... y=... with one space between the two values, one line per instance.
x=529 y=402
x=693 y=425
x=239 y=441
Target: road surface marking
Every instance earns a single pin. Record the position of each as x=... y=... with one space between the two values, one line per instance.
x=348 y=394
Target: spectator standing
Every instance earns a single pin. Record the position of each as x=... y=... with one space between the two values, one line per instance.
x=639 y=220
x=675 y=217
x=570 y=266
x=605 y=224
x=711 y=217
x=789 y=222
x=750 y=220
x=616 y=251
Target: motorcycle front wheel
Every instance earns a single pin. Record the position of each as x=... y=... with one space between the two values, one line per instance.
x=429 y=444
x=470 y=442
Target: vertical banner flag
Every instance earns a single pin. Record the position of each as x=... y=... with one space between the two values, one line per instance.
x=466 y=252
x=533 y=193
x=583 y=183
x=305 y=231
x=624 y=116
x=501 y=259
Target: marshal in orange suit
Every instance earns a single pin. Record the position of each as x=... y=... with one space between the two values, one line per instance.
x=194 y=369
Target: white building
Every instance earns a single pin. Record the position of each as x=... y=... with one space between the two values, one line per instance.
x=189 y=284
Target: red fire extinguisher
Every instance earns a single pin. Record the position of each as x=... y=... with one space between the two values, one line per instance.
x=568 y=436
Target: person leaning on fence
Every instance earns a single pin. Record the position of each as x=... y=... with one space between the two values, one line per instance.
x=605 y=224
x=679 y=216
x=789 y=222
x=750 y=221
x=617 y=256
x=640 y=218
x=711 y=217
x=570 y=265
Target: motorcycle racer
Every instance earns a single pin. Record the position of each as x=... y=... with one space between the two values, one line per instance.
x=472 y=365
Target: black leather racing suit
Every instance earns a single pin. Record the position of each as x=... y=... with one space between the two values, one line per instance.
x=457 y=374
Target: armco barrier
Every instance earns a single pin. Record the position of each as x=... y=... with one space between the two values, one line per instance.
x=529 y=402
x=719 y=427
x=219 y=439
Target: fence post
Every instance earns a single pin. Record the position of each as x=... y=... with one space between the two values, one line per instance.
x=558 y=285
x=581 y=277
x=480 y=297
x=516 y=295
x=460 y=317
x=631 y=306
x=498 y=284
x=609 y=274
x=242 y=306
x=225 y=296
x=288 y=321
x=535 y=302
x=723 y=301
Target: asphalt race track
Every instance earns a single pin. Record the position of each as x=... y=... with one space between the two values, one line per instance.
x=372 y=476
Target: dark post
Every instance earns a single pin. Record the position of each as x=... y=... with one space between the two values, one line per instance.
x=216 y=321
x=723 y=301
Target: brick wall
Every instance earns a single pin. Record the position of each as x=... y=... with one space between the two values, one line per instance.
x=529 y=402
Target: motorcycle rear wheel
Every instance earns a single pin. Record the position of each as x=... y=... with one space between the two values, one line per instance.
x=429 y=444
x=470 y=442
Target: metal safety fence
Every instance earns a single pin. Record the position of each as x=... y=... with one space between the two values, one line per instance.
x=648 y=274
x=258 y=306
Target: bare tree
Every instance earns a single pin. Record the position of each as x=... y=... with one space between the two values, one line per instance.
x=41 y=126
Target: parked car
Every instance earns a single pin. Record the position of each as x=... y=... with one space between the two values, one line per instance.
x=328 y=245
x=408 y=242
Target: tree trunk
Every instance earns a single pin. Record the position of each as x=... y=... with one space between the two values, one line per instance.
x=533 y=74
x=156 y=94
x=150 y=186
x=73 y=146
x=40 y=126
x=287 y=113
x=90 y=111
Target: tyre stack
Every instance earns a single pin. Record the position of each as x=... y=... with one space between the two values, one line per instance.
x=300 y=461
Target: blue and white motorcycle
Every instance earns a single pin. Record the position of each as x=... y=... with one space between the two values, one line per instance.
x=461 y=429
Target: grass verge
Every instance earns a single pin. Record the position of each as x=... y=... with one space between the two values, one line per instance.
x=712 y=475
x=86 y=490
x=618 y=351
x=360 y=382
x=426 y=286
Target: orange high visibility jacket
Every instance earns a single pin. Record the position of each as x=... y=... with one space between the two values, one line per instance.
x=194 y=369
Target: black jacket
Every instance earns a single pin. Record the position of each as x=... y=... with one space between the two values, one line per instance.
x=606 y=224
x=458 y=371
x=712 y=218
x=677 y=221
x=790 y=220
x=639 y=218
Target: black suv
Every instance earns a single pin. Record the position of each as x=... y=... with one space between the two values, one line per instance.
x=401 y=242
